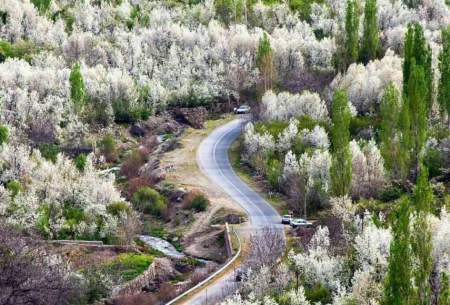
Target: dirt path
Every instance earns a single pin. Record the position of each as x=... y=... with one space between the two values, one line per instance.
x=186 y=174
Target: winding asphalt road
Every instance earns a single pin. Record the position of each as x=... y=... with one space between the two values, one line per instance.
x=212 y=158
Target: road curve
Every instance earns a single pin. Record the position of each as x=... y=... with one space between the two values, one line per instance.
x=212 y=158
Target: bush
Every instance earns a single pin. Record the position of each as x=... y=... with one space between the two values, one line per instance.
x=20 y=50
x=433 y=161
x=3 y=134
x=42 y=5
x=200 y=203
x=318 y=293
x=391 y=193
x=132 y=164
x=195 y=200
x=123 y=113
x=80 y=162
x=15 y=187
x=49 y=151
x=148 y=200
x=117 y=208
x=97 y=284
x=108 y=148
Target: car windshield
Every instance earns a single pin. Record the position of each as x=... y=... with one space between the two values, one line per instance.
x=287 y=216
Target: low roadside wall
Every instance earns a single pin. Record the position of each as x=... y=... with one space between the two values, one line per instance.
x=228 y=243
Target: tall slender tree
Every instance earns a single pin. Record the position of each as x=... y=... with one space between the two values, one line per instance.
x=370 y=45
x=418 y=109
x=264 y=59
x=77 y=89
x=418 y=51
x=341 y=167
x=397 y=288
x=389 y=138
x=444 y=81
x=417 y=92
x=421 y=238
x=351 y=32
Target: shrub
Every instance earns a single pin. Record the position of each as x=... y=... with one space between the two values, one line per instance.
x=318 y=293
x=132 y=164
x=148 y=200
x=433 y=161
x=391 y=193
x=123 y=113
x=42 y=5
x=80 y=162
x=97 y=284
x=20 y=50
x=108 y=148
x=3 y=134
x=195 y=200
x=15 y=187
x=49 y=151
x=117 y=208
x=200 y=203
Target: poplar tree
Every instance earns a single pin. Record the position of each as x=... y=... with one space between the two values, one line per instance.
x=397 y=287
x=421 y=238
x=351 y=32
x=444 y=82
x=417 y=91
x=417 y=51
x=418 y=110
x=370 y=45
x=264 y=60
x=341 y=167
x=77 y=89
x=389 y=115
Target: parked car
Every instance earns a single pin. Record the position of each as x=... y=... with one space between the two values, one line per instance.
x=299 y=222
x=286 y=219
x=243 y=109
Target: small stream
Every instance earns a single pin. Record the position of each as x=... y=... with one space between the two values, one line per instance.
x=162 y=245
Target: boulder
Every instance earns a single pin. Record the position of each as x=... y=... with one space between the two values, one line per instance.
x=194 y=117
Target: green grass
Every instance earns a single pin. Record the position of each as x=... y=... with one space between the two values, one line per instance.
x=128 y=266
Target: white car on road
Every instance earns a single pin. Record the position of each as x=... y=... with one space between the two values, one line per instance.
x=243 y=109
x=299 y=222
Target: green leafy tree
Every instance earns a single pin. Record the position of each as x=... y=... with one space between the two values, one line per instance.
x=341 y=167
x=421 y=238
x=370 y=45
x=397 y=287
x=264 y=60
x=77 y=89
x=444 y=67
x=389 y=115
x=351 y=32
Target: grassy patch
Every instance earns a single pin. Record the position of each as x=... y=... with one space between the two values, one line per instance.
x=128 y=266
